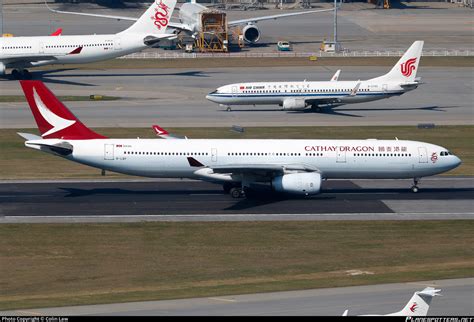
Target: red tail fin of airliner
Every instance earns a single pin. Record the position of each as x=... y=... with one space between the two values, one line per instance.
x=54 y=120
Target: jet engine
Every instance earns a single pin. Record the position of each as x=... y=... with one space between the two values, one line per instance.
x=294 y=104
x=2 y=69
x=251 y=33
x=305 y=183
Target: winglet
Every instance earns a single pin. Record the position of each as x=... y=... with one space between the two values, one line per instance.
x=194 y=163
x=336 y=76
x=159 y=130
x=58 y=32
x=356 y=88
x=345 y=313
x=419 y=303
x=76 y=51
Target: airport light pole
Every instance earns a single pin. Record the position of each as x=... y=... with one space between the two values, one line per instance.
x=335 y=26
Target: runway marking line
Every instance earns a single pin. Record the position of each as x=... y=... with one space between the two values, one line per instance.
x=221 y=299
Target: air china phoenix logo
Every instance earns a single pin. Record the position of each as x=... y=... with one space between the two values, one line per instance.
x=160 y=17
x=408 y=67
x=58 y=123
x=413 y=307
x=434 y=157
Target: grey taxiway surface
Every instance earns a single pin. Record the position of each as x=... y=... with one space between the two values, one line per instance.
x=168 y=200
x=176 y=97
x=456 y=300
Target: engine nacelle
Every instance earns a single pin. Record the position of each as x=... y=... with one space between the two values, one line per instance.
x=305 y=183
x=294 y=104
x=251 y=33
x=2 y=69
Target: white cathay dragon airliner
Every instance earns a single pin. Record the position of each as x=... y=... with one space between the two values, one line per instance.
x=20 y=53
x=289 y=166
x=304 y=94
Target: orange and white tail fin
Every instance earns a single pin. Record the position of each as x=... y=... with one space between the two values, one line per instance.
x=155 y=19
x=405 y=69
x=54 y=120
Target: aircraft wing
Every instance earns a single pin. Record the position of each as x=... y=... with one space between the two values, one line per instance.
x=262 y=170
x=283 y=15
x=38 y=57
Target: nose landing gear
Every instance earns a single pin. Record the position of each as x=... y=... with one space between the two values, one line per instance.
x=415 y=188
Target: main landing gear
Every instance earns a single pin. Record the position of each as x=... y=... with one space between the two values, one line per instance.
x=234 y=189
x=21 y=74
x=415 y=188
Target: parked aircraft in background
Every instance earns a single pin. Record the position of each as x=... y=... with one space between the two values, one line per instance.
x=289 y=166
x=190 y=22
x=20 y=53
x=316 y=95
x=417 y=306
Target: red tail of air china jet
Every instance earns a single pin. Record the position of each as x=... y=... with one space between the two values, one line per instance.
x=288 y=166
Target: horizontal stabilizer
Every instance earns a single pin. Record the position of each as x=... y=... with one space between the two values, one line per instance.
x=29 y=136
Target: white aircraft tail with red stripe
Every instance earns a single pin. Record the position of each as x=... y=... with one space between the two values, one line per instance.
x=54 y=120
x=155 y=19
x=405 y=69
x=419 y=303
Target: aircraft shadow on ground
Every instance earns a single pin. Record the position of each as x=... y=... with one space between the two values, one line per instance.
x=343 y=111
x=49 y=76
x=267 y=196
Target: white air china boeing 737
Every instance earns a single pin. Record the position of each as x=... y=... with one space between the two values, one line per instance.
x=301 y=95
x=290 y=166
x=20 y=53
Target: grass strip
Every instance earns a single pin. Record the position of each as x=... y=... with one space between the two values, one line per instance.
x=21 y=98
x=72 y=264
x=19 y=162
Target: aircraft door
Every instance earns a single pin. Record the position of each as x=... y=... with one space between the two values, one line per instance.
x=341 y=156
x=41 y=48
x=422 y=155
x=108 y=151
x=117 y=43
x=234 y=90
x=214 y=155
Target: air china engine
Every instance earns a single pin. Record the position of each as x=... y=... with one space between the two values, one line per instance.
x=251 y=33
x=294 y=104
x=306 y=183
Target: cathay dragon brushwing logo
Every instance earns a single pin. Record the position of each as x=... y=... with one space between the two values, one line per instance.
x=58 y=123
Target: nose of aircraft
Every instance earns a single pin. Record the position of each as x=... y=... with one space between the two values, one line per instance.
x=210 y=97
x=456 y=161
